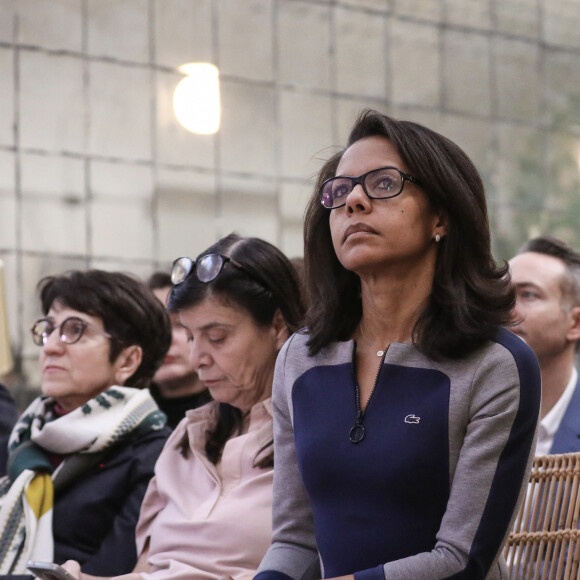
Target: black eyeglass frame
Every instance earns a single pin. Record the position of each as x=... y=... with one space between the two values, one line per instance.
x=361 y=180
x=192 y=267
x=41 y=339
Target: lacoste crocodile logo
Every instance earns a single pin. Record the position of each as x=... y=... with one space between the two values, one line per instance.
x=412 y=419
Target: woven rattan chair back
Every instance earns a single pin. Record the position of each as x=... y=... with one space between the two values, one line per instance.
x=545 y=543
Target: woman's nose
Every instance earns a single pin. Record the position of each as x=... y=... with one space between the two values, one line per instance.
x=198 y=357
x=357 y=199
x=52 y=342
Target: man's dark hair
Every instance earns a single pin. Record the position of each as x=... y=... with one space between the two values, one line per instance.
x=557 y=248
x=471 y=294
x=130 y=313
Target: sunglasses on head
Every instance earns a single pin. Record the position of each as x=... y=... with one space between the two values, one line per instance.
x=206 y=268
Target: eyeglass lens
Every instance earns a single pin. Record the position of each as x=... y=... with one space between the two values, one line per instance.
x=181 y=268
x=379 y=184
x=70 y=331
x=207 y=268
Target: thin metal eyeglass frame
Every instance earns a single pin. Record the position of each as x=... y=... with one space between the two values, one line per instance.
x=225 y=259
x=44 y=336
x=361 y=180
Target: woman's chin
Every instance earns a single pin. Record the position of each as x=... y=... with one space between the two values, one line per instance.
x=53 y=390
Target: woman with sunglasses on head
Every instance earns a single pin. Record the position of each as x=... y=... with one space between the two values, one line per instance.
x=405 y=416
x=82 y=454
x=207 y=512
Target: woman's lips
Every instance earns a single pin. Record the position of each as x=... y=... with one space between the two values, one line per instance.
x=358 y=229
x=53 y=369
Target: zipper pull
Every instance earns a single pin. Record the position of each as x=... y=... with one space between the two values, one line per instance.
x=357 y=432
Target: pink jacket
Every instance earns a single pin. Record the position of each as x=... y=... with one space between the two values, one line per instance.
x=207 y=521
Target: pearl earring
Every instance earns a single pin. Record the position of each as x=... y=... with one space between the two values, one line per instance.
x=437 y=238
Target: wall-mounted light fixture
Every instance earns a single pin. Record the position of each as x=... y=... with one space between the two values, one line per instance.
x=196 y=100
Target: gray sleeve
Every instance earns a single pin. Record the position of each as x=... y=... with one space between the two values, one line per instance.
x=293 y=551
x=493 y=465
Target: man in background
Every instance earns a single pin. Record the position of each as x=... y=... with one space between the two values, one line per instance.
x=546 y=275
x=176 y=387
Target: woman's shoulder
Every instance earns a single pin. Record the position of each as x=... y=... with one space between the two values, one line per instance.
x=518 y=359
x=195 y=423
x=294 y=358
x=137 y=455
x=149 y=441
x=504 y=363
x=204 y=414
x=504 y=359
x=504 y=347
x=508 y=351
x=515 y=346
x=298 y=344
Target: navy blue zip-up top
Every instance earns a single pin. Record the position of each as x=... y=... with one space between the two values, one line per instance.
x=431 y=490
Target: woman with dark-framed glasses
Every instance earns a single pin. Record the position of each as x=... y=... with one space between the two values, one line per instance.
x=208 y=510
x=82 y=454
x=405 y=416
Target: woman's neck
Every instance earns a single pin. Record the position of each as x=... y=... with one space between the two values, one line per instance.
x=391 y=306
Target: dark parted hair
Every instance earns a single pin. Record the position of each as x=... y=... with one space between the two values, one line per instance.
x=130 y=313
x=557 y=248
x=270 y=283
x=471 y=296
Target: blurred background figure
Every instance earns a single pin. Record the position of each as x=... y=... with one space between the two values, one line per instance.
x=176 y=387
x=8 y=416
x=546 y=274
x=8 y=408
x=82 y=454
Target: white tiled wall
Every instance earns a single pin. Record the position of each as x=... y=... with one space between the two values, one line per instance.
x=517 y=59
x=120 y=111
x=51 y=25
x=95 y=171
x=466 y=72
x=50 y=102
x=361 y=43
x=415 y=63
x=247 y=142
x=7 y=116
x=245 y=39
x=119 y=29
x=304 y=64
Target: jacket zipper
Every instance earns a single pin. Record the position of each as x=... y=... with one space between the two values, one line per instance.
x=358 y=431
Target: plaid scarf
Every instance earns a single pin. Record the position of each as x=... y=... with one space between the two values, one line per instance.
x=116 y=416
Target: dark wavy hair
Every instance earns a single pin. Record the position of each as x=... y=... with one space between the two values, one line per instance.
x=130 y=313
x=471 y=294
x=268 y=282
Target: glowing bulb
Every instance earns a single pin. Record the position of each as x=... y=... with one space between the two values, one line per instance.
x=196 y=100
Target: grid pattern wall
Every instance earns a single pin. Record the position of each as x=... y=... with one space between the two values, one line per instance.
x=95 y=171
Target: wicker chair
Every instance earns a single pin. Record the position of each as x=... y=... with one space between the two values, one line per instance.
x=545 y=541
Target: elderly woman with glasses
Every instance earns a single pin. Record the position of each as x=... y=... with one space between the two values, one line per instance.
x=82 y=454
x=405 y=415
x=207 y=512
